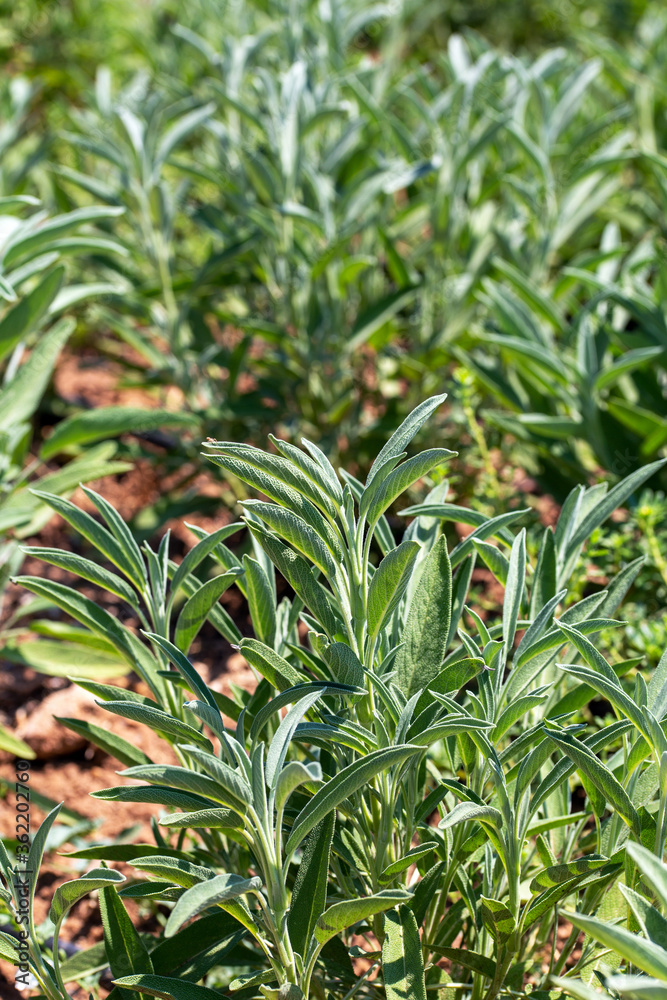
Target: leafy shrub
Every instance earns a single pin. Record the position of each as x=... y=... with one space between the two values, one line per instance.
x=415 y=794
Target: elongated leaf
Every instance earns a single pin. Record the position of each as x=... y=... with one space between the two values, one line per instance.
x=67 y=894
x=405 y=433
x=93 y=532
x=279 y=745
x=98 y=620
x=402 y=960
x=160 y=722
x=514 y=589
x=463 y=812
x=197 y=608
x=298 y=574
x=342 y=915
x=110 y=421
x=176 y=870
x=654 y=872
x=427 y=627
x=166 y=988
x=115 y=746
x=557 y=874
x=389 y=583
x=21 y=396
x=389 y=873
x=260 y=601
x=309 y=895
x=608 y=504
x=205 y=894
x=644 y=954
x=467 y=959
x=191 y=781
x=164 y=796
x=185 y=668
x=277 y=478
x=278 y=672
x=8 y=949
x=298 y=533
x=85 y=568
x=26 y=315
x=405 y=475
x=125 y=949
x=204 y=547
x=497 y=919
x=599 y=775
x=340 y=787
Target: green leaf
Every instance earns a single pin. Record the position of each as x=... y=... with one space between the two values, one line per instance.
x=95 y=533
x=163 y=796
x=260 y=601
x=298 y=574
x=402 y=960
x=109 y=421
x=344 y=664
x=186 y=670
x=427 y=627
x=166 y=988
x=340 y=916
x=234 y=797
x=204 y=547
x=377 y=314
x=653 y=871
x=126 y=951
x=67 y=894
x=197 y=608
x=340 y=787
x=646 y=955
x=158 y=721
x=467 y=959
x=8 y=949
x=276 y=477
x=98 y=620
x=317 y=468
x=389 y=584
x=22 y=243
x=172 y=953
x=279 y=745
x=26 y=315
x=498 y=920
x=516 y=576
x=608 y=504
x=494 y=559
x=37 y=847
x=85 y=962
x=546 y=574
x=389 y=873
x=59 y=658
x=200 y=897
x=309 y=895
x=400 y=479
x=278 y=672
x=176 y=870
x=22 y=394
x=12 y=744
x=557 y=874
x=299 y=534
x=85 y=568
x=598 y=774
x=107 y=741
x=405 y=433
x=463 y=812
